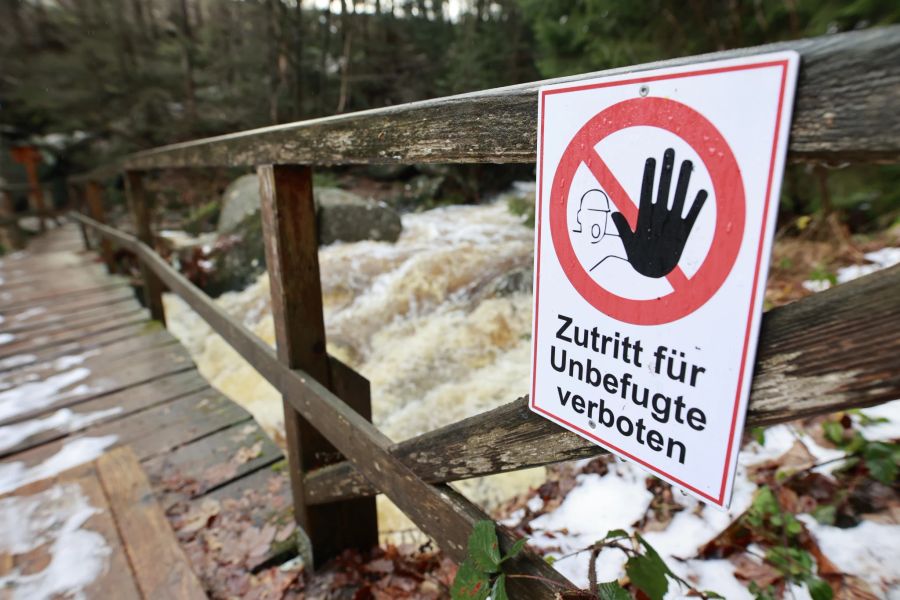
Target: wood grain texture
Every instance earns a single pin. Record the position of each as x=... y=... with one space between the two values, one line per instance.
x=118 y=405
x=844 y=111
x=292 y=261
x=160 y=567
x=186 y=472
x=134 y=369
x=117 y=580
x=832 y=351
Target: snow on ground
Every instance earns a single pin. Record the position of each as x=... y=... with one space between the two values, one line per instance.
x=74 y=452
x=619 y=499
x=870 y=550
x=63 y=421
x=22 y=393
x=17 y=360
x=54 y=518
x=887 y=429
x=880 y=259
x=29 y=313
x=35 y=395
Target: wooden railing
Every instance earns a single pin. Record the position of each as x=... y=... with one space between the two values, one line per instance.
x=835 y=350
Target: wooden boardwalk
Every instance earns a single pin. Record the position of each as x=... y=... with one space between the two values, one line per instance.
x=84 y=370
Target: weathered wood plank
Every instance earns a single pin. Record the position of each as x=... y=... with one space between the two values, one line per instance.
x=22 y=264
x=54 y=308
x=37 y=320
x=160 y=567
x=832 y=351
x=27 y=341
x=261 y=498
x=844 y=111
x=38 y=276
x=115 y=406
x=56 y=337
x=116 y=580
x=150 y=335
x=439 y=511
x=12 y=301
x=210 y=462
x=30 y=399
x=292 y=259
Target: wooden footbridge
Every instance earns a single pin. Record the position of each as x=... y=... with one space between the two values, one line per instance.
x=138 y=388
x=84 y=370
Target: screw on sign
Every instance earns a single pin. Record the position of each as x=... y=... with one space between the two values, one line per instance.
x=656 y=192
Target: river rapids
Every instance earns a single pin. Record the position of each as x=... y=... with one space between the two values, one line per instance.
x=439 y=322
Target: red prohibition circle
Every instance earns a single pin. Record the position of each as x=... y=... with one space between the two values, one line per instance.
x=689 y=294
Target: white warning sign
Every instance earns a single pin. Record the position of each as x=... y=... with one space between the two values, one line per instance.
x=657 y=199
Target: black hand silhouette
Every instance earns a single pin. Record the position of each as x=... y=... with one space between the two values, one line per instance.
x=655 y=246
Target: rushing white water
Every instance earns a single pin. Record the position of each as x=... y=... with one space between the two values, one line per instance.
x=422 y=319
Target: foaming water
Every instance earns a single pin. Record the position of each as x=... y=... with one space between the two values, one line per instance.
x=423 y=319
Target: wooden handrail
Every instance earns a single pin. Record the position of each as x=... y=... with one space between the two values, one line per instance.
x=438 y=510
x=845 y=111
x=815 y=357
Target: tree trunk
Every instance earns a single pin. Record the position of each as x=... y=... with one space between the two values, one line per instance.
x=347 y=38
x=187 y=62
x=323 y=62
x=298 y=61
x=345 y=73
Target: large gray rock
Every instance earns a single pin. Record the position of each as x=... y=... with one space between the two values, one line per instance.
x=346 y=217
x=241 y=199
x=343 y=216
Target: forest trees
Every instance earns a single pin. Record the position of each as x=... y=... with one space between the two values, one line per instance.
x=132 y=74
x=140 y=73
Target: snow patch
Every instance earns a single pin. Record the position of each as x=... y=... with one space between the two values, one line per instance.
x=34 y=311
x=74 y=452
x=38 y=394
x=71 y=360
x=56 y=517
x=17 y=360
x=6 y=338
x=63 y=420
x=881 y=432
x=596 y=505
x=715 y=575
x=878 y=260
x=871 y=551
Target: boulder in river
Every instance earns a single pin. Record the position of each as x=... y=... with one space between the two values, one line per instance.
x=240 y=199
x=343 y=216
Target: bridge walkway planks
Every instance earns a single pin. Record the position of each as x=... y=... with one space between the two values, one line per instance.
x=83 y=370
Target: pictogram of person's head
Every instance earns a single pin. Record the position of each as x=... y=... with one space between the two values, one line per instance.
x=592 y=215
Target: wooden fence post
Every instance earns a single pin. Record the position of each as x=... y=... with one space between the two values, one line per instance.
x=142 y=214
x=75 y=202
x=10 y=235
x=94 y=195
x=291 y=242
